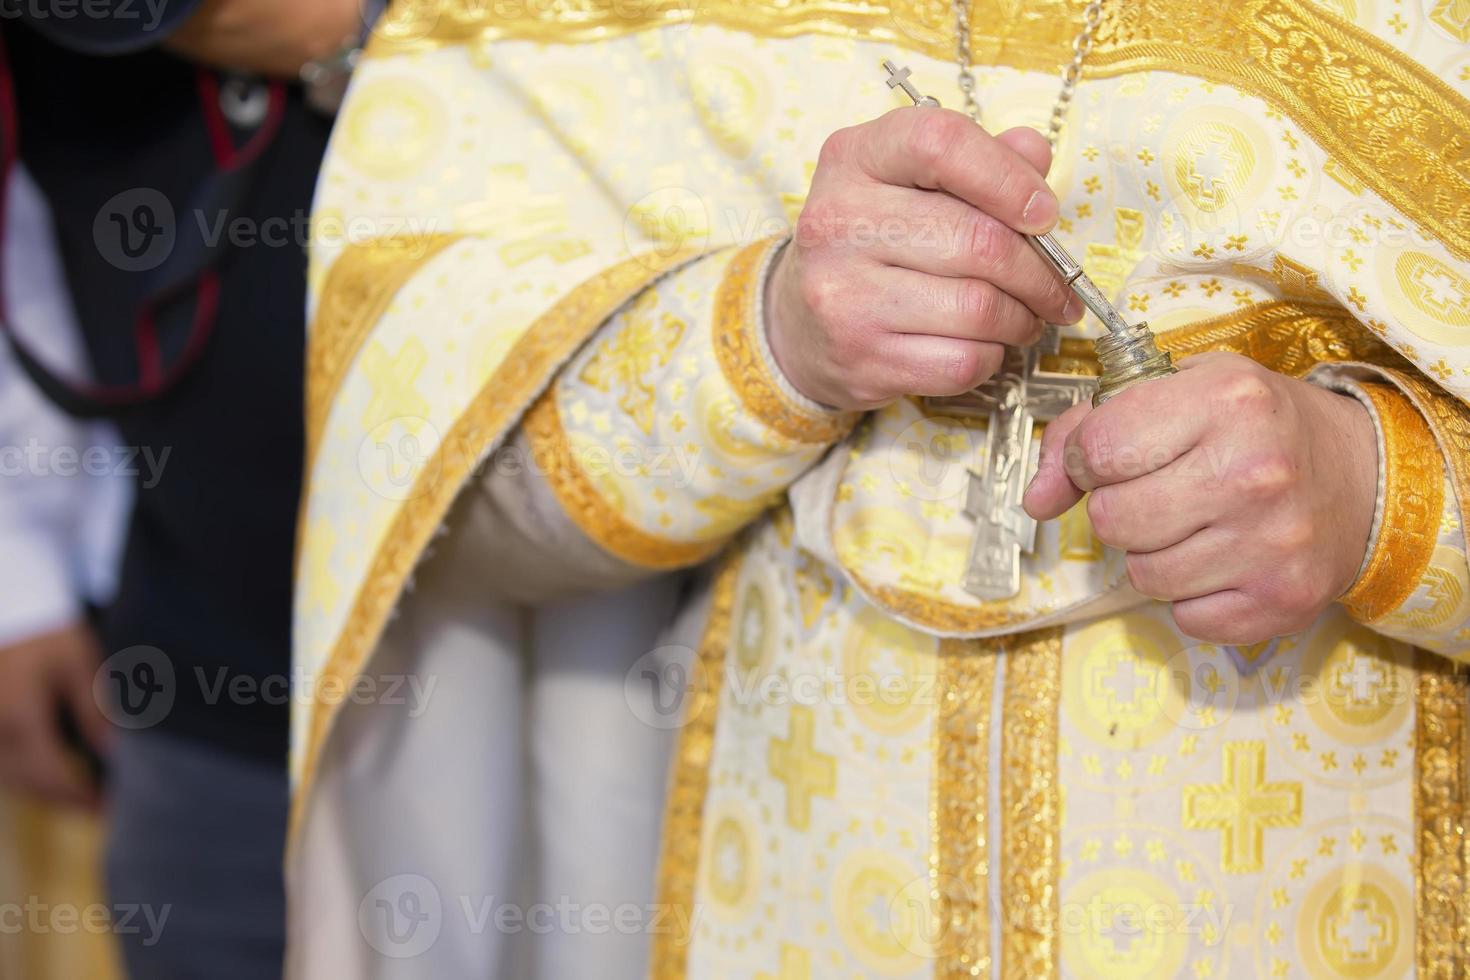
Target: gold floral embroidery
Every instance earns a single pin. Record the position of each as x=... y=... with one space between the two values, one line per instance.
x=647 y=342
x=1450 y=419
x=744 y=364
x=1388 y=121
x=522 y=376
x=359 y=287
x=1030 y=805
x=602 y=522
x=1286 y=336
x=960 y=864
x=683 y=829
x=1442 y=819
x=1413 y=503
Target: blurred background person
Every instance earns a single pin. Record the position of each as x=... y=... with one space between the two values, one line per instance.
x=163 y=156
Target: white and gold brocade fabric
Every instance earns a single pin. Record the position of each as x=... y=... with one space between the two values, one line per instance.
x=568 y=210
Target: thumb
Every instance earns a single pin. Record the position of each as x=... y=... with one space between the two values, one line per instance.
x=1051 y=492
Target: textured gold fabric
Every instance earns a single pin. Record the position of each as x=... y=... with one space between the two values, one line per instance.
x=1413 y=505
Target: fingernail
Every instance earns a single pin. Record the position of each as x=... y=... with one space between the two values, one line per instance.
x=1040 y=213
x=1073 y=310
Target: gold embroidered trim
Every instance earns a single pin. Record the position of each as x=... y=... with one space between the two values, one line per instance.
x=934 y=613
x=1413 y=504
x=520 y=377
x=1030 y=806
x=358 y=288
x=579 y=497
x=1442 y=820
x=1287 y=336
x=1387 y=120
x=959 y=873
x=683 y=828
x=1450 y=419
x=738 y=350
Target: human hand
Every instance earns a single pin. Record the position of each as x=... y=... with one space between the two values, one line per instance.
x=1242 y=496
x=267 y=37
x=39 y=678
x=907 y=272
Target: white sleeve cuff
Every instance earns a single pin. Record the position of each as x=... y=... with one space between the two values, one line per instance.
x=36 y=581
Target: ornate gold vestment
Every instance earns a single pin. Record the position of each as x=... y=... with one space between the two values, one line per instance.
x=544 y=231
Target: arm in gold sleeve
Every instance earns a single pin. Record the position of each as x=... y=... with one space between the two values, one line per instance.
x=667 y=433
x=1414 y=584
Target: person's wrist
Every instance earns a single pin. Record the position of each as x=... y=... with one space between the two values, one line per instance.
x=1350 y=426
x=784 y=312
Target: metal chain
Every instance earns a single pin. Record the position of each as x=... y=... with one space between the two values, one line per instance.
x=1071 y=75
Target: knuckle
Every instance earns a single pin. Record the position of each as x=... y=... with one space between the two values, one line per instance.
x=1194 y=623
x=933 y=138
x=1095 y=440
x=1243 y=389
x=837 y=148
x=823 y=296
x=1267 y=476
x=985 y=241
x=820 y=222
x=1101 y=514
x=1294 y=537
x=991 y=358
x=1141 y=575
x=976 y=302
x=960 y=367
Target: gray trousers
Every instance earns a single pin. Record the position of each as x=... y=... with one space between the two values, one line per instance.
x=195 y=858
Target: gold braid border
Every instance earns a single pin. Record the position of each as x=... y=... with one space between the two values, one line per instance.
x=683 y=830
x=959 y=873
x=604 y=524
x=1391 y=122
x=544 y=346
x=1442 y=820
x=359 y=287
x=1450 y=419
x=1030 y=806
x=1413 y=506
x=743 y=363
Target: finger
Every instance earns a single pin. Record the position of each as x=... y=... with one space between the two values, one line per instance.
x=1156 y=510
x=81 y=699
x=967 y=309
x=1051 y=492
x=1230 y=618
x=49 y=772
x=1137 y=432
x=937 y=367
x=1031 y=145
x=942 y=236
x=936 y=149
x=1201 y=565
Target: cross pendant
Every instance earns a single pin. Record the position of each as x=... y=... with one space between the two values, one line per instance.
x=1018 y=396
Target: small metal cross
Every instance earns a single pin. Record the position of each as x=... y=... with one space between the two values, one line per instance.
x=899 y=78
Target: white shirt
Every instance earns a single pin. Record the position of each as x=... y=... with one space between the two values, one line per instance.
x=64 y=495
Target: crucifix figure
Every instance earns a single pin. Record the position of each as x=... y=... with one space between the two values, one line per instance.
x=1014 y=400
x=1020 y=395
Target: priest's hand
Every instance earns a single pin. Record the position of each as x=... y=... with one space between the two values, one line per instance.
x=1242 y=496
x=40 y=679
x=267 y=37
x=907 y=274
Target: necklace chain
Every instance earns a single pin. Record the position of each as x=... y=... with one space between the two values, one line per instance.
x=1071 y=74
